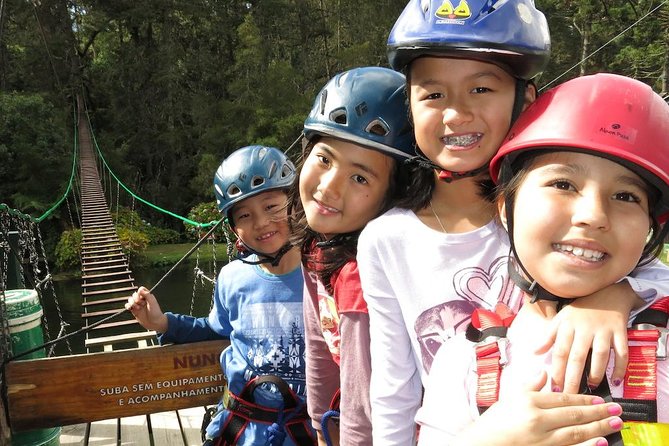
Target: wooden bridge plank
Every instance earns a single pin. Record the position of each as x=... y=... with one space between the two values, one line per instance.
x=110 y=291
x=132 y=321
x=109 y=282
x=105 y=301
x=128 y=337
x=97 y=276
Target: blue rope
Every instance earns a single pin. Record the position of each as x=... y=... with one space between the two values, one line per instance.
x=324 y=424
x=276 y=432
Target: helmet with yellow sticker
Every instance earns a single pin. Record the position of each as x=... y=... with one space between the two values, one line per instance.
x=510 y=33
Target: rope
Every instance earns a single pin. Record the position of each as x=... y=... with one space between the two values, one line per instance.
x=605 y=45
x=292 y=146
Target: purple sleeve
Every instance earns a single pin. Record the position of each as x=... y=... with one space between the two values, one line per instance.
x=322 y=370
x=355 y=425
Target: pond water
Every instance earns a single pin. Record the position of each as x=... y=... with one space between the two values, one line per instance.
x=178 y=293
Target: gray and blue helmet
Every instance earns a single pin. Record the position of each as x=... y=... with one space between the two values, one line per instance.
x=366 y=106
x=249 y=171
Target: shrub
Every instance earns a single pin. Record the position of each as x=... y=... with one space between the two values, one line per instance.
x=68 y=250
x=203 y=213
x=133 y=242
x=161 y=236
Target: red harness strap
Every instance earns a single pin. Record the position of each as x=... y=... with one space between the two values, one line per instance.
x=243 y=410
x=641 y=376
x=488 y=329
x=650 y=335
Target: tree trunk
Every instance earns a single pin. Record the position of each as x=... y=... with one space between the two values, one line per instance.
x=585 y=47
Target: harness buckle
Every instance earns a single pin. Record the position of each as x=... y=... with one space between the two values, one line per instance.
x=662 y=341
x=502 y=344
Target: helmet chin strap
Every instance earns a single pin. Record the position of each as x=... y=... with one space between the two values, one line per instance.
x=532 y=288
x=337 y=240
x=264 y=258
x=524 y=281
x=449 y=176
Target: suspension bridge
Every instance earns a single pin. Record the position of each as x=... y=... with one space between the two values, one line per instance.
x=125 y=389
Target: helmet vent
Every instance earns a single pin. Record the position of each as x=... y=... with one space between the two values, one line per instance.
x=286 y=171
x=323 y=100
x=377 y=127
x=257 y=181
x=338 y=116
x=233 y=191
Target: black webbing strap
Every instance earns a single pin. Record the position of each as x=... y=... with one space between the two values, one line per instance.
x=603 y=391
x=243 y=410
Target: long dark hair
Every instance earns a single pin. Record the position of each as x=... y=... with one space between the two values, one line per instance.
x=327 y=257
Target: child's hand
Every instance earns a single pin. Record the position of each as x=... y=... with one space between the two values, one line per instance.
x=144 y=306
x=597 y=322
x=544 y=418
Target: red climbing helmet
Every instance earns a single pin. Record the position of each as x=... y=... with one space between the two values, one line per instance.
x=607 y=115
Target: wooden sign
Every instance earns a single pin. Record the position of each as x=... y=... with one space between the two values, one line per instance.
x=76 y=389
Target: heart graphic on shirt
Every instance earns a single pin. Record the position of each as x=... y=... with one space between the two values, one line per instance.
x=479 y=286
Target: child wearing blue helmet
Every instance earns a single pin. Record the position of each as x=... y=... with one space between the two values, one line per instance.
x=357 y=138
x=428 y=263
x=258 y=306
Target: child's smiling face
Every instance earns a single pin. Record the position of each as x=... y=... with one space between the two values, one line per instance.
x=343 y=185
x=461 y=110
x=260 y=221
x=580 y=222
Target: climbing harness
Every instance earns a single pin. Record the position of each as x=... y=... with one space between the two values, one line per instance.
x=291 y=419
x=649 y=336
x=488 y=329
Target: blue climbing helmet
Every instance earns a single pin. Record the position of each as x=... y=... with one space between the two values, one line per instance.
x=249 y=171
x=366 y=106
x=510 y=33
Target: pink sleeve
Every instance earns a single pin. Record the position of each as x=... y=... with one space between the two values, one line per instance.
x=348 y=290
x=322 y=371
x=355 y=425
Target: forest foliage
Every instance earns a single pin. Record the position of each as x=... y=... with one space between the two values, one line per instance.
x=173 y=86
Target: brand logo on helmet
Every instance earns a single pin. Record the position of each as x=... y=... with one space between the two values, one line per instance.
x=448 y=14
x=615 y=129
x=361 y=108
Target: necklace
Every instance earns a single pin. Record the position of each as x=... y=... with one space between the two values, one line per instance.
x=437 y=217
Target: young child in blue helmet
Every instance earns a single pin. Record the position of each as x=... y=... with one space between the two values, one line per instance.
x=258 y=306
x=439 y=254
x=581 y=185
x=357 y=138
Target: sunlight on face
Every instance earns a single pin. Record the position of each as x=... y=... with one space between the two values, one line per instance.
x=461 y=110
x=260 y=221
x=580 y=222
x=342 y=186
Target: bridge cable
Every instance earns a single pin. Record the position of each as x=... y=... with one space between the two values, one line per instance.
x=606 y=44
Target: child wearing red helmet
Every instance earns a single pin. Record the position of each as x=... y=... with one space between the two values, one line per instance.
x=584 y=188
x=428 y=263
